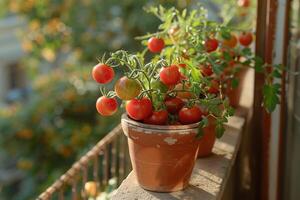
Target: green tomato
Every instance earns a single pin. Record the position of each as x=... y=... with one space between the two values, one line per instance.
x=127 y=89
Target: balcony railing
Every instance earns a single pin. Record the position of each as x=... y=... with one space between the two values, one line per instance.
x=108 y=159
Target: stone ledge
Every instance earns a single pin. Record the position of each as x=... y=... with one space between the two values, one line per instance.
x=209 y=176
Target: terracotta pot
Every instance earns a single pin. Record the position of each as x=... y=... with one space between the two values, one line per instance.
x=234 y=94
x=162 y=157
x=206 y=143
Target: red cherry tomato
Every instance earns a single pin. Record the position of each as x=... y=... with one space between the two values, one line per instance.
x=214 y=88
x=157 y=118
x=211 y=44
x=174 y=105
x=190 y=115
x=106 y=106
x=155 y=45
x=244 y=3
x=230 y=42
x=245 y=39
x=170 y=75
x=103 y=73
x=139 y=109
x=206 y=70
x=127 y=89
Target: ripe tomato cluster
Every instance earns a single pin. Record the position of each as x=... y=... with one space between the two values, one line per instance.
x=191 y=66
x=173 y=109
x=182 y=83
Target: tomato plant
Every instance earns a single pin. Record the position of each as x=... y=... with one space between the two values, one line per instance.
x=187 y=80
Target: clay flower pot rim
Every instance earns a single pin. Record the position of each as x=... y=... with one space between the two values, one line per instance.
x=159 y=127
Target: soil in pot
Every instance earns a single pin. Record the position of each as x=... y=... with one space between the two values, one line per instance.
x=162 y=157
x=206 y=143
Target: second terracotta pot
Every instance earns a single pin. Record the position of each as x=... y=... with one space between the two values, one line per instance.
x=206 y=143
x=234 y=94
x=162 y=157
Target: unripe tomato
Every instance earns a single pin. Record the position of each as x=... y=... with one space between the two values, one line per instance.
x=214 y=88
x=174 y=105
x=170 y=75
x=127 y=89
x=157 y=118
x=206 y=70
x=103 y=73
x=139 y=109
x=245 y=39
x=106 y=106
x=230 y=42
x=190 y=115
x=244 y=3
x=211 y=44
x=155 y=45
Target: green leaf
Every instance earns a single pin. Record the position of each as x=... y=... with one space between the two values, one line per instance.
x=225 y=34
x=234 y=83
x=246 y=52
x=227 y=56
x=276 y=73
x=220 y=130
x=200 y=133
x=258 y=64
x=204 y=122
x=184 y=13
x=230 y=111
x=271 y=96
x=195 y=73
x=217 y=69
